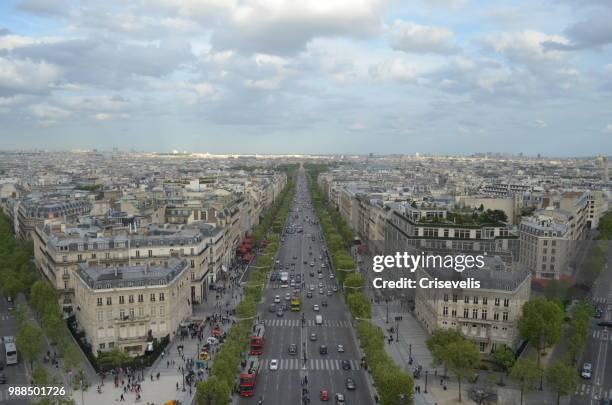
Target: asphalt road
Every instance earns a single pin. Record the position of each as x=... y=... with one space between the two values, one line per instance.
x=599 y=346
x=15 y=374
x=285 y=385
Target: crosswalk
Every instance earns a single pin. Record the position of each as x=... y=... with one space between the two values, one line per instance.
x=312 y=364
x=593 y=392
x=5 y=317
x=602 y=335
x=599 y=300
x=310 y=322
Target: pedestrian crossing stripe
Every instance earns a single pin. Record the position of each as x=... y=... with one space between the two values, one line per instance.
x=594 y=392
x=311 y=364
x=602 y=335
x=600 y=300
x=310 y=322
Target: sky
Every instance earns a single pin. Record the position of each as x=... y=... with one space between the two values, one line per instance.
x=308 y=76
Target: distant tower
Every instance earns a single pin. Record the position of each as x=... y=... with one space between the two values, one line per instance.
x=603 y=163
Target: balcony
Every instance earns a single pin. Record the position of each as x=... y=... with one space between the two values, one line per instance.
x=132 y=319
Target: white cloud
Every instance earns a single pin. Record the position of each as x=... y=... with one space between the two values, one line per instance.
x=396 y=69
x=609 y=128
x=48 y=115
x=26 y=76
x=525 y=47
x=109 y=116
x=356 y=126
x=410 y=37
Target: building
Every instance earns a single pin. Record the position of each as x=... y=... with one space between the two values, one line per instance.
x=487 y=315
x=34 y=212
x=126 y=307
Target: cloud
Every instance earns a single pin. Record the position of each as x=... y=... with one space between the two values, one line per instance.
x=26 y=76
x=594 y=32
x=48 y=115
x=410 y=37
x=356 y=127
x=109 y=116
x=284 y=27
x=396 y=69
x=608 y=128
x=524 y=47
x=44 y=7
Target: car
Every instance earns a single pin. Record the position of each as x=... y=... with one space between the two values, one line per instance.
x=292 y=349
x=311 y=264
x=294 y=257
x=340 y=399
x=350 y=384
x=320 y=257
x=598 y=313
x=280 y=312
x=605 y=324
x=309 y=294
x=331 y=276
x=324 y=303
x=272 y=308
x=311 y=287
x=321 y=291
x=329 y=293
x=211 y=340
x=335 y=289
x=305 y=261
x=340 y=349
x=324 y=395
x=313 y=337
x=277 y=299
x=323 y=265
x=2 y=378
x=274 y=364
x=311 y=274
x=320 y=285
x=322 y=349
x=587 y=370
x=320 y=276
x=346 y=365
x=292 y=283
x=315 y=307
x=319 y=271
x=287 y=296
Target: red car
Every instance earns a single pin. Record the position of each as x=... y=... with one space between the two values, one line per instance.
x=324 y=395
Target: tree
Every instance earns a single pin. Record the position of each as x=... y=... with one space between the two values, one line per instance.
x=540 y=324
x=562 y=379
x=526 y=372
x=212 y=391
x=504 y=358
x=29 y=341
x=437 y=343
x=359 y=305
x=353 y=281
x=462 y=358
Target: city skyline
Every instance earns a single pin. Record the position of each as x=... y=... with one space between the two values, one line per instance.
x=445 y=77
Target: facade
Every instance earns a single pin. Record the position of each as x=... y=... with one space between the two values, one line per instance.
x=33 y=212
x=126 y=307
x=487 y=315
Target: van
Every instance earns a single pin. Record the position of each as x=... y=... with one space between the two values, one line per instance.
x=319 y=320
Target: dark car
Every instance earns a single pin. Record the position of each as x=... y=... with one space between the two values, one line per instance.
x=350 y=384
x=309 y=294
x=322 y=349
x=280 y=313
x=272 y=308
x=605 y=324
x=2 y=378
x=340 y=399
x=292 y=349
x=324 y=303
x=346 y=365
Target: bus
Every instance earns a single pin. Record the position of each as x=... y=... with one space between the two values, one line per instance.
x=284 y=278
x=10 y=350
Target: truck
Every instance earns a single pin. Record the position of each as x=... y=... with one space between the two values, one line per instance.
x=284 y=278
x=295 y=303
x=10 y=350
x=248 y=377
x=257 y=340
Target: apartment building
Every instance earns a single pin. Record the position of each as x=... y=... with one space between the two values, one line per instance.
x=127 y=307
x=59 y=250
x=32 y=212
x=487 y=315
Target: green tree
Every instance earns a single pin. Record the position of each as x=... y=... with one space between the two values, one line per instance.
x=562 y=379
x=526 y=373
x=540 y=324
x=504 y=358
x=29 y=341
x=359 y=305
x=353 y=282
x=212 y=391
x=462 y=358
x=438 y=342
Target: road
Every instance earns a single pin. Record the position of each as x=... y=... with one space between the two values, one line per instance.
x=15 y=374
x=284 y=386
x=599 y=346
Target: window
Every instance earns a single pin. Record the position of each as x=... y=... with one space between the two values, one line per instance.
x=122 y=314
x=483 y=315
x=64 y=259
x=109 y=300
x=152 y=310
x=482 y=346
x=446 y=297
x=484 y=300
x=445 y=311
x=446 y=232
x=505 y=316
x=109 y=315
x=192 y=264
x=161 y=296
x=93 y=255
x=496 y=302
x=162 y=310
x=496 y=316
x=138 y=254
x=553 y=243
x=80 y=258
x=140 y=298
x=111 y=345
x=131 y=299
x=506 y=302
x=545 y=242
x=102 y=346
x=121 y=299
x=140 y=311
x=152 y=297
x=100 y=315
x=454 y=313
x=100 y=301
x=466 y=313
x=454 y=297
x=474 y=314
x=475 y=300
x=107 y=255
x=466 y=299
x=131 y=312
x=150 y=253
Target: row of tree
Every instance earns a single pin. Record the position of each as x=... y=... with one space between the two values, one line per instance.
x=217 y=388
x=391 y=382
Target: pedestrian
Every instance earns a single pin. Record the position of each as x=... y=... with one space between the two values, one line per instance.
x=151 y=376
x=121 y=399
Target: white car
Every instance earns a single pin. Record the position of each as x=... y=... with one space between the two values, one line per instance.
x=315 y=307
x=287 y=297
x=274 y=364
x=211 y=340
x=332 y=276
x=340 y=349
x=276 y=299
x=587 y=370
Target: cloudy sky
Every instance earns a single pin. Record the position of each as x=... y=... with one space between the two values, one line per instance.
x=311 y=76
